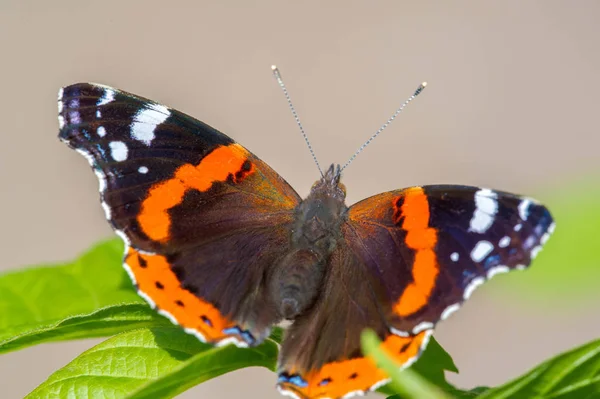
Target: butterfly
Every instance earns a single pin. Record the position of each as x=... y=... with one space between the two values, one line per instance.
x=224 y=247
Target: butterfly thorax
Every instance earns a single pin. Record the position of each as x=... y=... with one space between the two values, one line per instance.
x=298 y=276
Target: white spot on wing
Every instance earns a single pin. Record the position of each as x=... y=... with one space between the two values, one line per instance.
x=61 y=121
x=529 y=241
x=99 y=173
x=232 y=340
x=147 y=299
x=101 y=179
x=148 y=253
x=125 y=239
x=130 y=273
x=426 y=339
x=87 y=156
x=535 y=251
x=107 y=211
x=168 y=316
x=108 y=96
x=524 y=208
x=449 y=310
x=285 y=392
x=101 y=131
x=504 y=242
x=146 y=120
x=422 y=326
x=98 y=114
x=61 y=92
x=497 y=270
x=352 y=394
x=481 y=250
x=486 y=206
x=399 y=332
x=548 y=233
x=195 y=333
x=74 y=117
x=412 y=360
x=454 y=256
x=471 y=287
x=60 y=105
x=379 y=384
x=518 y=227
x=143 y=170
x=118 y=150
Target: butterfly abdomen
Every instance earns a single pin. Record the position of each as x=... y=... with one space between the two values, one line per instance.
x=296 y=281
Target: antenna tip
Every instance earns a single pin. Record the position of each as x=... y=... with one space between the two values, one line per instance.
x=420 y=88
x=276 y=71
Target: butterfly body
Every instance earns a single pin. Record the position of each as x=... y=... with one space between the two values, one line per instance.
x=220 y=244
x=297 y=278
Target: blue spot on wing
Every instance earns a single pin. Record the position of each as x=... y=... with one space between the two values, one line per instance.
x=324 y=382
x=292 y=379
x=491 y=261
x=298 y=381
x=245 y=334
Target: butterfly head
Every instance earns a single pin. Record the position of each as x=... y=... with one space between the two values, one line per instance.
x=329 y=185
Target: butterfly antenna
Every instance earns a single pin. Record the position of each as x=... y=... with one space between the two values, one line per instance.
x=277 y=75
x=386 y=124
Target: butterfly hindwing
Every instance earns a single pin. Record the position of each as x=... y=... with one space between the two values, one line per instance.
x=330 y=364
x=190 y=204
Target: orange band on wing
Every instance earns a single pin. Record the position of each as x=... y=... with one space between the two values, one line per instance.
x=156 y=280
x=215 y=167
x=419 y=236
x=336 y=379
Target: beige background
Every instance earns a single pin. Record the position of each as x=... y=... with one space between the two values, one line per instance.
x=512 y=103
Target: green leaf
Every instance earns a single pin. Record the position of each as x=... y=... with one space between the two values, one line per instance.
x=571 y=375
x=90 y=297
x=433 y=364
x=407 y=383
x=149 y=363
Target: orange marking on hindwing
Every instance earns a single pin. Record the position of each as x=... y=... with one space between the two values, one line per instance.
x=155 y=279
x=414 y=214
x=336 y=379
x=215 y=167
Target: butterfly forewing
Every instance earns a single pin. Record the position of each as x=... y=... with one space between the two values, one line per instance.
x=441 y=242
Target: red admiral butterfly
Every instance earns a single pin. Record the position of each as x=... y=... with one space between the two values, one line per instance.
x=221 y=245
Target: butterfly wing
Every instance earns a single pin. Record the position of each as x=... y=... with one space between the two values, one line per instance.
x=409 y=258
x=441 y=242
x=320 y=356
x=195 y=209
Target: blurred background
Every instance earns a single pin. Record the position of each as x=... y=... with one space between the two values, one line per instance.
x=512 y=104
